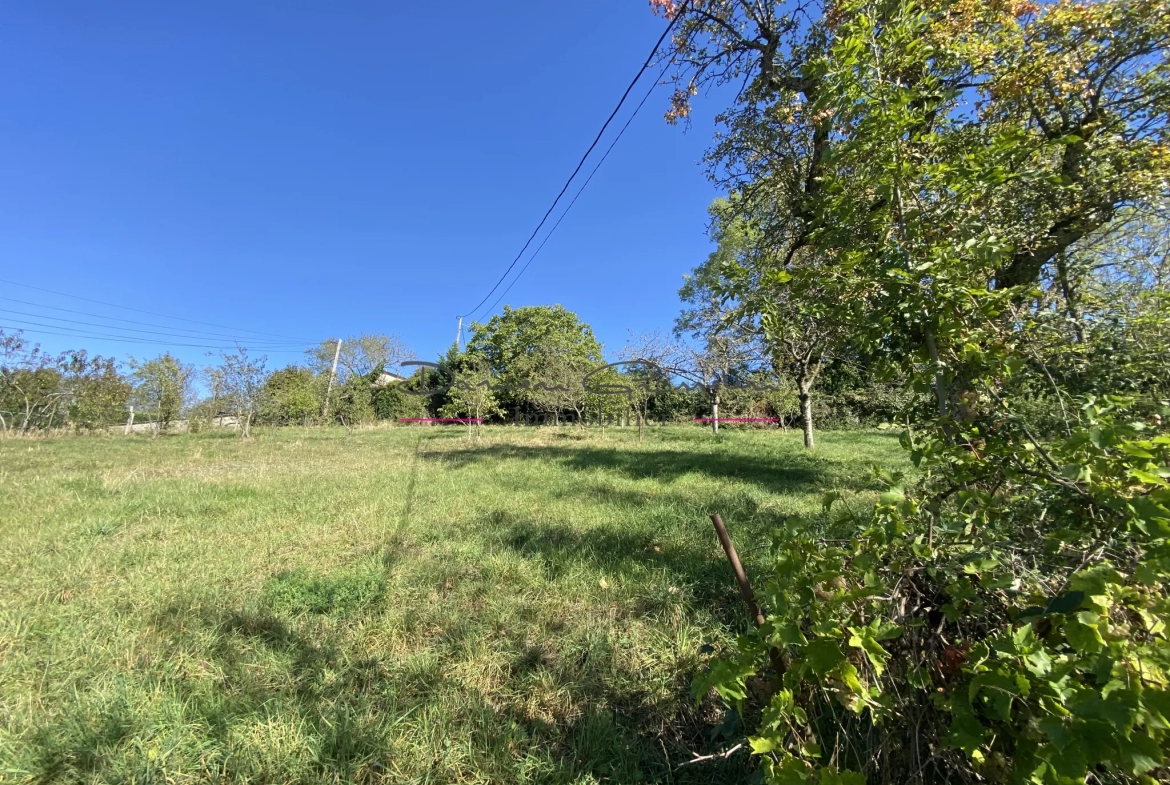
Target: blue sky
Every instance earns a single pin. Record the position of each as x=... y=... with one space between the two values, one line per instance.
x=312 y=169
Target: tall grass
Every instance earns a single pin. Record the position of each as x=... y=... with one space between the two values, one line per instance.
x=399 y=605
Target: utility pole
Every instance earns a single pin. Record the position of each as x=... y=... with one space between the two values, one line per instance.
x=332 y=376
x=459 y=336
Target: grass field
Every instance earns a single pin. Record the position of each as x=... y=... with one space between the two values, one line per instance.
x=396 y=605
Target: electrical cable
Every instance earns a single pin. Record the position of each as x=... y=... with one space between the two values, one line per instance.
x=126 y=339
x=275 y=344
x=580 y=190
x=581 y=163
x=151 y=313
x=197 y=333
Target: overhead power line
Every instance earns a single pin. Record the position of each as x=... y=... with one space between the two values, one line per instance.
x=151 y=313
x=261 y=344
x=130 y=339
x=581 y=163
x=193 y=331
x=576 y=196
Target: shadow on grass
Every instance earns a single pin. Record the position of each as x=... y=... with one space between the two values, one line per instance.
x=792 y=472
x=349 y=716
x=351 y=706
x=640 y=556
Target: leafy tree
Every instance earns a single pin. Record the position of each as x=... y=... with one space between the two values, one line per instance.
x=525 y=348
x=292 y=395
x=393 y=401
x=360 y=355
x=31 y=395
x=725 y=337
x=920 y=172
x=243 y=385
x=355 y=402
x=470 y=395
x=97 y=392
x=163 y=387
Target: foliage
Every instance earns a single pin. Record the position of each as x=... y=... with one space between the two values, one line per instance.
x=162 y=386
x=525 y=348
x=244 y=385
x=360 y=355
x=291 y=396
x=470 y=395
x=31 y=398
x=393 y=401
x=930 y=175
x=748 y=281
x=354 y=401
x=724 y=335
x=97 y=392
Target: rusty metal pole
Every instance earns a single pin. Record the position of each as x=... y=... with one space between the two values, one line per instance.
x=745 y=588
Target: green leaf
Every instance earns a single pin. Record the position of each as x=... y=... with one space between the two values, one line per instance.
x=1119 y=710
x=823 y=655
x=1140 y=753
x=788 y=633
x=1056 y=731
x=1083 y=637
x=966 y=732
x=863 y=639
x=1148 y=478
x=1065 y=603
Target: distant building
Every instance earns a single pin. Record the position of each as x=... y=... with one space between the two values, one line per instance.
x=387 y=378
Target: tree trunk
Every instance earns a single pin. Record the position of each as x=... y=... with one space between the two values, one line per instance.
x=804 y=383
x=715 y=414
x=940 y=379
x=1070 y=300
x=806 y=418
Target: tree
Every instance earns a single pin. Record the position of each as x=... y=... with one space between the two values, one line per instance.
x=31 y=396
x=162 y=386
x=526 y=348
x=470 y=394
x=243 y=385
x=96 y=391
x=291 y=396
x=557 y=381
x=360 y=355
x=726 y=329
x=920 y=172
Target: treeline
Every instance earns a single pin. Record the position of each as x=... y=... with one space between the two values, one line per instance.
x=539 y=364
x=41 y=392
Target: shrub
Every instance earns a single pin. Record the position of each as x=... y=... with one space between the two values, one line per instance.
x=1014 y=631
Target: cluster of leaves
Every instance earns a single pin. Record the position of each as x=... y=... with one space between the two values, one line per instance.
x=39 y=391
x=1027 y=630
x=945 y=184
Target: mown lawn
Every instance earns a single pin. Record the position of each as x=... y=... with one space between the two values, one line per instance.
x=395 y=605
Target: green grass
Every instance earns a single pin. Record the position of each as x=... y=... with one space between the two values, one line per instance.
x=395 y=605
